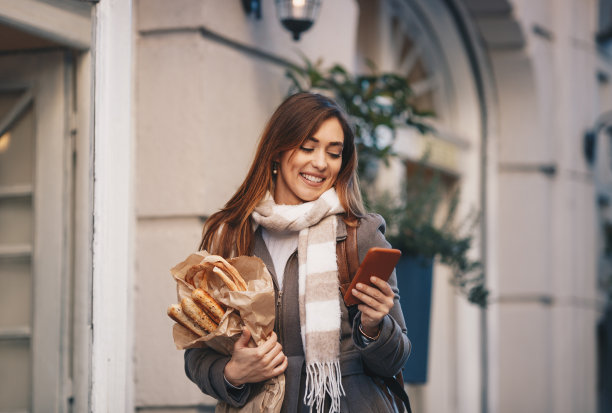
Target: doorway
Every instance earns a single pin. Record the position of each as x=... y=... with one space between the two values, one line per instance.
x=36 y=142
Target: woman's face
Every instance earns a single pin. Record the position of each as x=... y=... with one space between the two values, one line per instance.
x=308 y=171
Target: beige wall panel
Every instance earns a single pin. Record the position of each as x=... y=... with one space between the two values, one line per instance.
x=580 y=109
x=439 y=393
x=532 y=12
x=574 y=364
x=525 y=359
x=160 y=378
x=523 y=139
x=542 y=52
x=16 y=160
x=574 y=239
x=16 y=221
x=585 y=365
x=582 y=19
x=524 y=233
x=15 y=293
x=332 y=37
x=575 y=81
x=579 y=18
x=201 y=109
x=15 y=375
x=467 y=356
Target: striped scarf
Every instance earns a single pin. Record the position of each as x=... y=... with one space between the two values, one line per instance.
x=319 y=301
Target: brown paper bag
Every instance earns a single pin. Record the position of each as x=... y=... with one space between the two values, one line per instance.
x=253 y=308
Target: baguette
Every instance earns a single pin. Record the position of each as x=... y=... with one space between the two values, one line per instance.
x=191 y=309
x=176 y=313
x=230 y=284
x=208 y=304
x=229 y=268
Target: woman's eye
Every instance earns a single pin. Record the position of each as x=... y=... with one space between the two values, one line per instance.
x=335 y=155
x=305 y=149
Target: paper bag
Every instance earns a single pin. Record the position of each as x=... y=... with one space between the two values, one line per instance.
x=253 y=308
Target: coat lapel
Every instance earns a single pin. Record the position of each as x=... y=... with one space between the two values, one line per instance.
x=260 y=250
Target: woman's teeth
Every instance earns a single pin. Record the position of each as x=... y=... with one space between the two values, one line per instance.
x=312 y=178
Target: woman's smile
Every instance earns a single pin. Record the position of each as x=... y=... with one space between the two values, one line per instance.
x=312 y=179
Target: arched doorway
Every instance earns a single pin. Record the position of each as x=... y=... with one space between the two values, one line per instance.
x=421 y=40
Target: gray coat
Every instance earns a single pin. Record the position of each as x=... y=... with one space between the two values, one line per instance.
x=385 y=356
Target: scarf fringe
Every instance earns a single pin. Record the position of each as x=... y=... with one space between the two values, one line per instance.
x=323 y=378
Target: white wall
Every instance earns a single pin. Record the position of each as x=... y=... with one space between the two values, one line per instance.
x=545 y=304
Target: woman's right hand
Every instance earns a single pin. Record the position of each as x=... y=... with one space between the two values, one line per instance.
x=255 y=364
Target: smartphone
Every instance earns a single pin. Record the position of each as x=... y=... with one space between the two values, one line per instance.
x=378 y=262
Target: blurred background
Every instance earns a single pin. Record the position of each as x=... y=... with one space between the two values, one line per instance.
x=125 y=123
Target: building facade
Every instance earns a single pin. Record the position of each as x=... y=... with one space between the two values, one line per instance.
x=124 y=124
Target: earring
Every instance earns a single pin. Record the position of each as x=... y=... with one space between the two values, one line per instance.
x=274 y=168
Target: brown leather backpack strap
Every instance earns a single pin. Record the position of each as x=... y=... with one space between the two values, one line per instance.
x=343 y=271
x=347 y=257
x=352 y=253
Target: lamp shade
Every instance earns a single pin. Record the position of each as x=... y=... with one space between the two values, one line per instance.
x=297 y=16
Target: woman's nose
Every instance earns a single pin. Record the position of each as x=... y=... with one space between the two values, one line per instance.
x=319 y=161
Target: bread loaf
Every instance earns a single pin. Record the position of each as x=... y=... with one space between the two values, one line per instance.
x=176 y=313
x=206 y=302
x=191 y=309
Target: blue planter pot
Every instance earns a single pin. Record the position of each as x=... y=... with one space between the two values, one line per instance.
x=414 y=279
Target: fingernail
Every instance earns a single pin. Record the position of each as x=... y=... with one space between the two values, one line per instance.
x=359 y=285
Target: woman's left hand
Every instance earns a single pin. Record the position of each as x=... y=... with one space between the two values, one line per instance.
x=377 y=301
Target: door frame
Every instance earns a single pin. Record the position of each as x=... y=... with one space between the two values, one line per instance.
x=68 y=24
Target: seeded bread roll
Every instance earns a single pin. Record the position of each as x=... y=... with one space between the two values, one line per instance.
x=191 y=309
x=208 y=304
x=176 y=313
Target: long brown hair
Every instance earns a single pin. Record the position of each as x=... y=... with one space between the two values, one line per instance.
x=228 y=232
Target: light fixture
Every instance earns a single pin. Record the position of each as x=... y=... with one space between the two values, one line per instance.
x=5 y=142
x=297 y=15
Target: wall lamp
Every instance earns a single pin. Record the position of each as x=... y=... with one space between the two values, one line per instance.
x=252 y=7
x=297 y=16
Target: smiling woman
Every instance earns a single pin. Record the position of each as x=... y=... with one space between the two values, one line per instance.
x=305 y=173
x=293 y=207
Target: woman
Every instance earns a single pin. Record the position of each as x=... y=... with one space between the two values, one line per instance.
x=294 y=205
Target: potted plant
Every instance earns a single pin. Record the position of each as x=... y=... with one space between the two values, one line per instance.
x=423 y=225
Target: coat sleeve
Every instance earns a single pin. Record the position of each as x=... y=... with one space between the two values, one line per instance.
x=204 y=367
x=387 y=355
